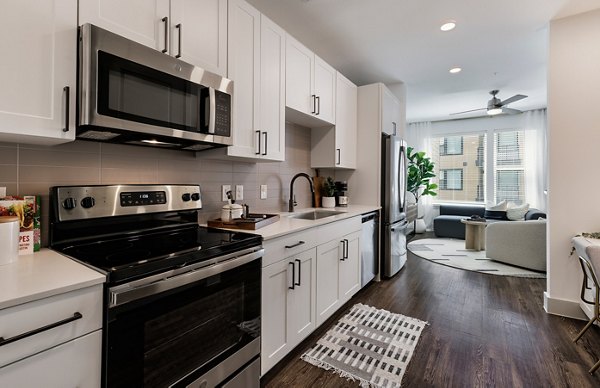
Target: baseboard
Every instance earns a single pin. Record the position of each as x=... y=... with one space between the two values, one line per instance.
x=564 y=308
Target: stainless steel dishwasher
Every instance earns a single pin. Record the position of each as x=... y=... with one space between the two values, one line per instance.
x=369 y=247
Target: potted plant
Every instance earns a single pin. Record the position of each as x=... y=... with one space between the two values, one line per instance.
x=328 y=199
x=420 y=173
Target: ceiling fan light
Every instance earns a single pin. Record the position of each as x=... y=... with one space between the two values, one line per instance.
x=494 y=111
x=455 y=70
x=448 y=26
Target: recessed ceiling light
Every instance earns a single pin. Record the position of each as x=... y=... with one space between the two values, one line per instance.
x=448 y=26
x=455 y=70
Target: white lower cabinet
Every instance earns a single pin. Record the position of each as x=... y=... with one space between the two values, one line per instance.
x=320 y=272
x=338 y=274
x=288 y=299
x=76 y=363
x=54 y=341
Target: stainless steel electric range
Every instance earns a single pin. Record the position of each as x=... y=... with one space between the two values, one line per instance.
x=182 y=302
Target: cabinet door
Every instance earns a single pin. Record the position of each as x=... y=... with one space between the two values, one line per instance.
x=299 y=77
x=350 y=267
x=138 y=20
x=328 y=263
x=346 y=122
x=199 y=33
x=76 y=363
x=390 y=113
x=272 y=89
x=324 y=90
x=244 y=70
x=301 y=303
x=275 y=335
x=39 y=46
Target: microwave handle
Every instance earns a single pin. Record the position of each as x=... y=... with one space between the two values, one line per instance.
x=211 y=110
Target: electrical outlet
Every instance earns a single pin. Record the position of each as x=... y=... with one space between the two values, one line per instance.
x=263 y=191
x=239 y=192
x=224 y=190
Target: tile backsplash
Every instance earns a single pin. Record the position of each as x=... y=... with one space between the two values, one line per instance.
x=32 y=170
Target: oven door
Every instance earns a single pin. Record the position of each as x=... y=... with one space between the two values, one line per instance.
x=199 y=327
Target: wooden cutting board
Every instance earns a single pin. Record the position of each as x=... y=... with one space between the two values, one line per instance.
x=252 y=222
x=318 y=182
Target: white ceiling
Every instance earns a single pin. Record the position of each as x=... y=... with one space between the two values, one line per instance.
x=499 y=44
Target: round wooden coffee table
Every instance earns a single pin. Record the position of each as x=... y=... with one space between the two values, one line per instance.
x=474 y=234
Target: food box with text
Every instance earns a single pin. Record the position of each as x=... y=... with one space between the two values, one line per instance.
x=27 y=208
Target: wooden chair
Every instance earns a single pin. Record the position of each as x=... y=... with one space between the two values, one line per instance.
x=589 y=273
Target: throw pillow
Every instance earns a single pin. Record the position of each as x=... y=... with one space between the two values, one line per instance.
x=517 y=213
x=496 y=212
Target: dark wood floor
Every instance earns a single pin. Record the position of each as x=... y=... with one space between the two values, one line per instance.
x=485 y=331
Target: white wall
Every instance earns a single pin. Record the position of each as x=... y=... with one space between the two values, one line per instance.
x=574 y=150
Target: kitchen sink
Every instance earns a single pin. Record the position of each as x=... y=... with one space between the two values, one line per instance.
x=315 y=214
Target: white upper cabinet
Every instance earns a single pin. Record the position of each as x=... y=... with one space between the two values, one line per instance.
x=391 y=114
x=336 y=147
x=199 y=33
x=143 y=21
x=310 y=86
x=38 y=71
x=324 y=90
x=193 y=30
x=257 y=67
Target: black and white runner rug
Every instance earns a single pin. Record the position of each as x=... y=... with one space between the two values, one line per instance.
x=369 y=345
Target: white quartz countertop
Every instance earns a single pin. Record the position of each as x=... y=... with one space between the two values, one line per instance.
x=43 y=274
x=287 y=224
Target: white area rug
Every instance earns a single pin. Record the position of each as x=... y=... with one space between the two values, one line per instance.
x=369 y=345
x=452 y=252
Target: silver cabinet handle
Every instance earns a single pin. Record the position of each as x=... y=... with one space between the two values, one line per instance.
x=180 y=28
x=293 y=286
x=314 y=98
x=67 y=91
x=394 y=124
x=299 y=272
x=166 y=21
x=266 y=140
x=295 y=245
x=339 y=156
x=258 y=140
x=18 y=337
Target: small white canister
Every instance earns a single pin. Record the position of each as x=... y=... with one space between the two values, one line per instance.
x=9 y=239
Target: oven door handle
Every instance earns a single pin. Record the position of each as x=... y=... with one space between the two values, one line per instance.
x=128 y=293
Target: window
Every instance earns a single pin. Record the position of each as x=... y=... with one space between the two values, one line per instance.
x=509 y=169
x=471 y=169
x=451 y=179
x=452 y=145
x=460 y=175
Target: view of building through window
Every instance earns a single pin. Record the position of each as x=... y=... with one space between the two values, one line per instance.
x=462 y=166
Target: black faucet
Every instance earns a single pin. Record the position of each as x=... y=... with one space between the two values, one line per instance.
x=292 y=202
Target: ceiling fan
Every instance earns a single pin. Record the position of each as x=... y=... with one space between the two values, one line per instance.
x=496 y=106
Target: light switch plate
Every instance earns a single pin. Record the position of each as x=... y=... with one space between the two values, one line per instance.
x=2 y=191
x=263 y=191
x=239 y=192
x=224 y=190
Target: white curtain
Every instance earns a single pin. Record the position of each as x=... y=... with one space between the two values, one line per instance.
x=418 y=136
x=535 y=158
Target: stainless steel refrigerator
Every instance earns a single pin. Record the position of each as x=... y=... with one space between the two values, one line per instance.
x=393 y=203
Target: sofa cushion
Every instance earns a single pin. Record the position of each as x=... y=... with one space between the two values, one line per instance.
x=517 y=213
x=449 y=226
x=497 y=211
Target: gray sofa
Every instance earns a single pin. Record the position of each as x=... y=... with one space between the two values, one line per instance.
x=521 y=243
x=448 y=224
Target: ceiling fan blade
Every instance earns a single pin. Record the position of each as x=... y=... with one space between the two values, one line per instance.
x=511 y=111
x=514 y=98
x=467 y=111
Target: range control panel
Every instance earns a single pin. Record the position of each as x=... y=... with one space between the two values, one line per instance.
x=143 y=198
x=83 y=202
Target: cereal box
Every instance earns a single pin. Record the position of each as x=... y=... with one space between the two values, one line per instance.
x=27 y=208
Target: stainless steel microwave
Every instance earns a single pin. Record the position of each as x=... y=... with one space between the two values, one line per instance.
x=132 y=94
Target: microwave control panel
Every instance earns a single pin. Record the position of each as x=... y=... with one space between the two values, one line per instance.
x=222 y=114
